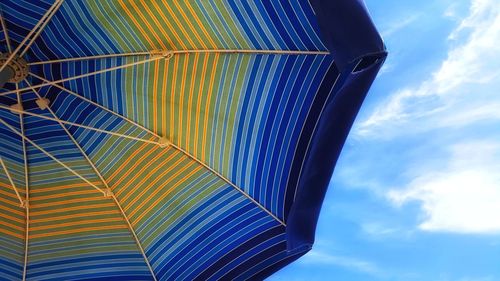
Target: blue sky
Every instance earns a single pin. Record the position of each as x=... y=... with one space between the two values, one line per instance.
x=416 y=192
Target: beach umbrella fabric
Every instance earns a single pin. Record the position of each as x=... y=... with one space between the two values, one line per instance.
x=172 y=140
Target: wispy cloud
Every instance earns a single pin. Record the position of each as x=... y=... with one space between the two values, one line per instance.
x=467 y=77
x=399 y=25
x=321 y=258
x=464 y=196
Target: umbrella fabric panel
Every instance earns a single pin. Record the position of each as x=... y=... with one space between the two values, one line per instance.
x=102 y=27
x=188 y=219
x=218 y=108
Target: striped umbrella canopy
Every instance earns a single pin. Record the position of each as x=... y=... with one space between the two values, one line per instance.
x=161 y=140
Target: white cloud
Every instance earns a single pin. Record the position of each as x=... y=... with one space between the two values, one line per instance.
x=321 y=258
x=464 y=196
x=468 y=76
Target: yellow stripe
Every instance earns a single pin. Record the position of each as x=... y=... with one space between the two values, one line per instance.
x=74 y=216
x=8 y=224
x=161 y=187
x=130 y=160
x=9 y=217
x=164 y=100
x=172 y=96
x=198 y=109
x=209 y=96
x=139 y=26
x=73 y=231
x=158 y=24
x=35 y=213
x=200 y=25
x=10 y=233
x=193 y=29
x=69 y=201
x=167 y=21
x=181 y=97
x=73 y=223
x=59 y=187
x=155 y=96
x=64 y=194
x=156 y=202
x=147 y=177
x=147 y=23
x=173 y=16
x=190 y=101
x=140 y=173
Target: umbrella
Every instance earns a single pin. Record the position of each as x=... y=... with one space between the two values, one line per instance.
x=168 y=140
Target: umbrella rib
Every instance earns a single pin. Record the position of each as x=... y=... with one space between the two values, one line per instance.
x=108 y=189
x=178 y=52
x=11 y=181
x=78 y=125
x=50 y=83
x=14 y=130
x=45 y=18
x=26 y=184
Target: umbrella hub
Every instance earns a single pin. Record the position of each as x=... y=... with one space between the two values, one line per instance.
x=16 y=70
